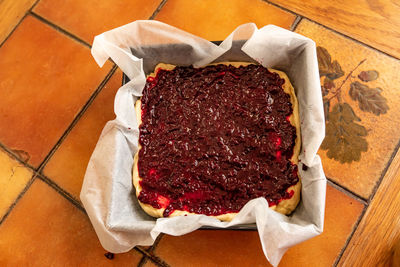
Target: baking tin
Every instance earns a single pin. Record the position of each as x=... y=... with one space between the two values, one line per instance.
x=157 y=52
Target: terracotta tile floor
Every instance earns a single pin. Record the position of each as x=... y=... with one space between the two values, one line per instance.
x=54 y=102
x=221 y=21
x=210 y=247
x=68 y=164
x=362 y=168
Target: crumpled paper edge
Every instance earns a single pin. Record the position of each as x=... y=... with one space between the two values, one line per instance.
x=121 y=129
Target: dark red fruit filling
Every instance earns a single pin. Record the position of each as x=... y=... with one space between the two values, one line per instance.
x=214 y=138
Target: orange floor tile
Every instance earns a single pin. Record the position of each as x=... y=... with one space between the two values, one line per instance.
x=189 y=16
x=243 y=248
x=11 y=12
x=94 y=17
x=363 y=160
x=68 y=165
x=13 y=179
x=54 y=233
x=55 y=100
x=46 y=78
x=373 y=22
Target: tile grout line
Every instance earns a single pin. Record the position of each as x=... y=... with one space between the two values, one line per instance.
x=375 y=189
x=30 y=12
x=145 y=257
x=347 y=191
x=354 y=40
x=296 y=22
x=142 y=261
x=155 y=259
x=33 y=6
x=335 y=31
x=280 y=7
x=28 y=184
x=13 y=30
x=152 y=257
x=20 y=195
x=159 y=263
x=156 y=242
x=339 y=257
x=77 y=118
x=59 y=29
x=163 y=2
x=37 y=172
x=158 y=9
x=45 y=179
x=19 y=22
x=384 y=171
x=151 y=249
x=155 y=245
x=15 y=157
x=61 y=191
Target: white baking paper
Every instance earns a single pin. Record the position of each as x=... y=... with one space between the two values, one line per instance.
x=107 y=192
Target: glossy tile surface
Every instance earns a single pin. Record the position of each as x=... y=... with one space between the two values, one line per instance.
x=13 y=178
x=55 y=233
x=243 y=248
x=46 y=78
x=362 y=137
x=212 y=20
x=68 y=165
x=87 y=19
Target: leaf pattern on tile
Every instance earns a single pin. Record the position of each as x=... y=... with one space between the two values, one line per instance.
x=327 y=85
x=345 y=136
x=327 y=68
x=327 y=104
x=369 y=75
x=369 y=99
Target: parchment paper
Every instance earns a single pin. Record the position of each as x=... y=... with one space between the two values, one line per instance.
x=107 y=192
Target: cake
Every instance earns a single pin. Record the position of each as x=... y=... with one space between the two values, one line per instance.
x=213 y=138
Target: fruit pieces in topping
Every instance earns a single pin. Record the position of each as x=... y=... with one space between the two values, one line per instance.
x=205 y=130
x=163 y=201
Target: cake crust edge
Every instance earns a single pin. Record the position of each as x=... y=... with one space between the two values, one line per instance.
x=285 y=206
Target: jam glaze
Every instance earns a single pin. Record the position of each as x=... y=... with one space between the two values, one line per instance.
x=214 y=138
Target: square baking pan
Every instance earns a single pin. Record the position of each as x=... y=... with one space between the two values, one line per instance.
x=154 y=55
